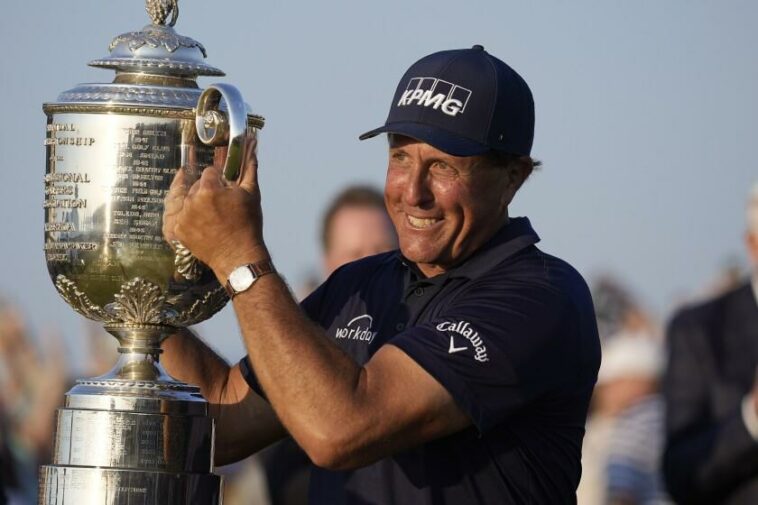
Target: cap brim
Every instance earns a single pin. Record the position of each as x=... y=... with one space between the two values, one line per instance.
x=443 y=140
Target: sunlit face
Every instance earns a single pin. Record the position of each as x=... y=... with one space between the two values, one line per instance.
x=356 y=232
x=443 y=207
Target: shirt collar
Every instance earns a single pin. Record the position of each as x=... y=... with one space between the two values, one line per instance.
x=512 y=237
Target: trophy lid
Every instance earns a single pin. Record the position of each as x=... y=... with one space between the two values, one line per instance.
x=158 y=49
x=155 y=68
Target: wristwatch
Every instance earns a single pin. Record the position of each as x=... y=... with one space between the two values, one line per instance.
x=245 y=276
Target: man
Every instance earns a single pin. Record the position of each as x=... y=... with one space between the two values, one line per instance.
x=455 y=370
x=355 y=225
x=711 y=394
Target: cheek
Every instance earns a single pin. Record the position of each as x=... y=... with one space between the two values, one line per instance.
x=393 y=187
x=492 y=196
x=453 y=198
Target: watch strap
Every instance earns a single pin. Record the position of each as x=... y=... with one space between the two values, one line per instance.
x=258 y=269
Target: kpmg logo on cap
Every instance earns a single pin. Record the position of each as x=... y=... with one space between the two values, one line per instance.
x=437 y=94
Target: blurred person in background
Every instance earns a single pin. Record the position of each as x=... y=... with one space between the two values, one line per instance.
x=355 y=225
x=712 y=393
x=32 y=384
x=628 y=392
x=623 y=445
x=7 y=476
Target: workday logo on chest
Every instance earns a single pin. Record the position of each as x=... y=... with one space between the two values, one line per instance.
x=441 y=95
x=358 y=328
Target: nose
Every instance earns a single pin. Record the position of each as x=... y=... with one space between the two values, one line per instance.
x=417 y=192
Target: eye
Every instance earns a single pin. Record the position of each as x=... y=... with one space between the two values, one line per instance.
x=442 y=168
x=399 y=160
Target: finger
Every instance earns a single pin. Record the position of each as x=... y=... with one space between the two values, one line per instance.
x=249 y=177
x=219 y=156
x=179 y=183
x=210 y=178
x=194 y=188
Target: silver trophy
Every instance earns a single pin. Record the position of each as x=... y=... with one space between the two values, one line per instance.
x=135 y=435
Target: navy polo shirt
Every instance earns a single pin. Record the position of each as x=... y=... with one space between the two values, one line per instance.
x=510 y=333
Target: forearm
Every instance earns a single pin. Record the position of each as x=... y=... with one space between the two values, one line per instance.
x=342 y=414
x=312 y=385
x=187 y=358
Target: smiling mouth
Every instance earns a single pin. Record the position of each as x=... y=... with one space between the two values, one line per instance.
x=421 y=223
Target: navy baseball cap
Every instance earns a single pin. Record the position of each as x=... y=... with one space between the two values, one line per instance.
x=464 y=102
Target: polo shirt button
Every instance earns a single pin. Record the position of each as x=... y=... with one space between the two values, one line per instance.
x=418 y=291
x=399 y=326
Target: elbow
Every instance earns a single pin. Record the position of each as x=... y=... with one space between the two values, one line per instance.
x=331 y=450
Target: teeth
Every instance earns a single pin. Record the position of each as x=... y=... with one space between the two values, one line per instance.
x=418 y=222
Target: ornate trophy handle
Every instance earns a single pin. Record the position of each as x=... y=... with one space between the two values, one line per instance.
x=215 y=129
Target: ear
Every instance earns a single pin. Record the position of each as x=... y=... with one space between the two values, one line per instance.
x=521 y=169
x=517 y=172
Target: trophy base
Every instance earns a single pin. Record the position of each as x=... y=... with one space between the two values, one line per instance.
x=132 y=442
x=70 y=485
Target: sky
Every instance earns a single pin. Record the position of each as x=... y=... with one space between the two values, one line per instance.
x=646 y=118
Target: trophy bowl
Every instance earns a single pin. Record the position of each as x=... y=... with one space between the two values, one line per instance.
x=135 y=434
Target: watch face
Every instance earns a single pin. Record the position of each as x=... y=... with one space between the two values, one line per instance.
x=241 y=278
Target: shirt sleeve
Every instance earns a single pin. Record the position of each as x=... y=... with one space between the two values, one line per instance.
x=500 y=347
x=249 y=375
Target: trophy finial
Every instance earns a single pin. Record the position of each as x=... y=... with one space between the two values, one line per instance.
x=160 y=9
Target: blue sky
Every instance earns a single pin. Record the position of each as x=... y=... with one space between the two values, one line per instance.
x=646 y=120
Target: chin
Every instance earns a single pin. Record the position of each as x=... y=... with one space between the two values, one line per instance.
x=418 y=255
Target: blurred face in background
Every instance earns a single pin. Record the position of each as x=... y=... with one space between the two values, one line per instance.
x=356 y=232
x=752 y=248
x=751 y=237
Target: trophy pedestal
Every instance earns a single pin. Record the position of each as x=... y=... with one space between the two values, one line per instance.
x=63 y=485
x=122 y=442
